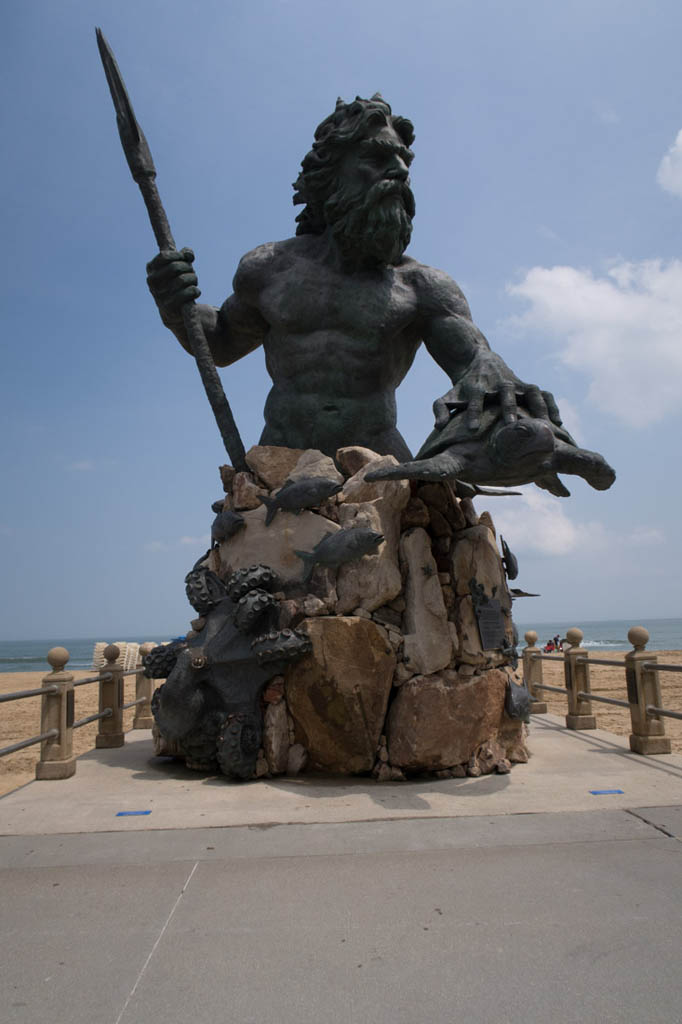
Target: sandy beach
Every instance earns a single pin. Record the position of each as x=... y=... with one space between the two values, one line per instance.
x=21 y=719
x=609 y=681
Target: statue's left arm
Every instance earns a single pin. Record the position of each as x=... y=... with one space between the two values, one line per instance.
x=463 y=352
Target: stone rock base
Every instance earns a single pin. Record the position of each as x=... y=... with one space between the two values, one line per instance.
x=442 y=720
x=337 y=695
x=398 y=682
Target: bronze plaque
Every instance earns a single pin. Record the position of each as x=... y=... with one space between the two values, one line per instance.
x=489 y=617
x=490 y=624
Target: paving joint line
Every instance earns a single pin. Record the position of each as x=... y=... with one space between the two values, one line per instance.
x=265 y=825
x=158 y=940
x=652 y=824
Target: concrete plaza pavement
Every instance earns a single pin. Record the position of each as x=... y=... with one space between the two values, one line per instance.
x=519 y=898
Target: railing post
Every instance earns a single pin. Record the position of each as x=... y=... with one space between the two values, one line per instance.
x=143 y=688
x=111 y=696
x=56 y=755
x=577 y=677
x=648 y=733
x=532 y=673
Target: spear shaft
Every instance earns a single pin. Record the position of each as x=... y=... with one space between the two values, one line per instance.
x=144 y=173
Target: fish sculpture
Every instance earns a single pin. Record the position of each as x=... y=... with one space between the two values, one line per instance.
x=509 y=560
x=226 y=522
x=295 y=495
x=529 y=450
x=338 y=548
x=517 y=700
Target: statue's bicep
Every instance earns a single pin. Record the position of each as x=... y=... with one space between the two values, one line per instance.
x=241 y=328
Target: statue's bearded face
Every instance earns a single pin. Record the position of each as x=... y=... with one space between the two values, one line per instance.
x=370 y=212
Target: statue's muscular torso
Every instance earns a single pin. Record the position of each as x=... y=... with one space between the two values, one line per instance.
x=337 y=344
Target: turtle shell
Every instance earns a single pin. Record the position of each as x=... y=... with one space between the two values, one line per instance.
x=456 y=432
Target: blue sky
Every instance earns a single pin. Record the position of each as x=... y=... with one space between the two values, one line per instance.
x=548 y=180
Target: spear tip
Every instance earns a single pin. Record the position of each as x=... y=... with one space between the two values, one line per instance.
x=132 y=137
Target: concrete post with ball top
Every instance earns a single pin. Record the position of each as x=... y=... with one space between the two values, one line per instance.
x=143 y=691
x=648 y=732
x=577 y=677
x=57 y=760
x=111 y=698
x=532 y=672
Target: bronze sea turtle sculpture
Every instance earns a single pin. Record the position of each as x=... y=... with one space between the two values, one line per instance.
x=499 y=454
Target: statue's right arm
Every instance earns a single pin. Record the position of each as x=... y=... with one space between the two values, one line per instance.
x=232 y=331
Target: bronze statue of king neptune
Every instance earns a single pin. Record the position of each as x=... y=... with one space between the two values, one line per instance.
x=340 y=311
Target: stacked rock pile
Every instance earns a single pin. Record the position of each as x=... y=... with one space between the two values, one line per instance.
x=397 y=681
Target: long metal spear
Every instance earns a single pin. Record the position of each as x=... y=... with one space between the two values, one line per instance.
x=142 y=168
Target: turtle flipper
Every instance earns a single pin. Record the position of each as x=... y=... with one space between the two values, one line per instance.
x=591 y=466
x=551 y=482
x=443 y=466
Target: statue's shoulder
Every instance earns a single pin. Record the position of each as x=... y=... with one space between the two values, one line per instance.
x=437 y=293
x=257 y=266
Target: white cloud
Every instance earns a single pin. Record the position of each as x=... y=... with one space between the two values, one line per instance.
x=623 y=330
x=538 y=522
x=669 y=175
x=83 y=466
x=162 y=545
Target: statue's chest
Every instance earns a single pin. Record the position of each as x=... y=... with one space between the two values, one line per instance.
x=314 y=299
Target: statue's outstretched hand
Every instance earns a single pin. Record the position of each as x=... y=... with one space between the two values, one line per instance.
x=172 y=281
x=486 y=377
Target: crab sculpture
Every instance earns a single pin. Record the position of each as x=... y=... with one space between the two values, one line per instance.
x=209 y=708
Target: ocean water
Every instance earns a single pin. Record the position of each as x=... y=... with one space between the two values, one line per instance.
x=608 y=634
x=31 y=655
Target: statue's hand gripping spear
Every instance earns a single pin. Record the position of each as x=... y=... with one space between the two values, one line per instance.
x=142 y=168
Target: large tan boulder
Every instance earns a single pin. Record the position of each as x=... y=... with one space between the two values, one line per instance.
x=374 y=580
x=439 y=721
x=357 y=488
x=314 y=463
x=337 y=695
x=273 y=464
x=469 y=650
x=245 y=492
x=428 y=640
x=275 y=545
x=354 y=457
x=475 y=556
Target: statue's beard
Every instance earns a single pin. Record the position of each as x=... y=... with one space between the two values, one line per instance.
x=374 y=228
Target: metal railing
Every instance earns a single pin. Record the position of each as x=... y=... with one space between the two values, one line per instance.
x=58 y=722
x=642 y=687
